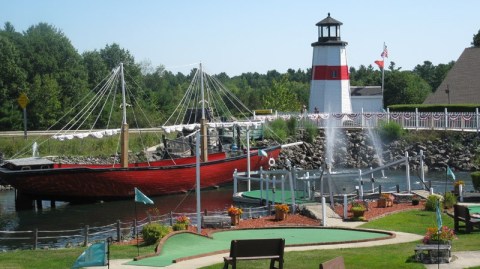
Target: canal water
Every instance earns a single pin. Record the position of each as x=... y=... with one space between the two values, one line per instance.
x=74 y=216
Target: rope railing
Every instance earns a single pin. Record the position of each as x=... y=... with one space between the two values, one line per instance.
x=119 y=231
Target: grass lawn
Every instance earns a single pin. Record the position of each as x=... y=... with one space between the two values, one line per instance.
x=387 y=256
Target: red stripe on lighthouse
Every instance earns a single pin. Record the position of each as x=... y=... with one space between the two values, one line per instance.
x=325 y=72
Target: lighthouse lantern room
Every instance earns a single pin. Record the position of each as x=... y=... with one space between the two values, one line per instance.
x=330 y=85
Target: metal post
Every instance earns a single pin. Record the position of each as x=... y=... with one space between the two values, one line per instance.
x=85 y=232
x=197 y=189
x=460 y=192
x=235 y=182
x=248 y=158
x=292 y=190
x=324 y=213
x=119 y=231
x=422 y=170
x=345 y=206
x=360 y=183
x=25 y=123
x=35 y=239
x=407 y=168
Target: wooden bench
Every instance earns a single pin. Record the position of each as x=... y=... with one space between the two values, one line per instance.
x=216 y=221
x=462 y=214
x=337 y=263
x=256 y=249
x=433 y=253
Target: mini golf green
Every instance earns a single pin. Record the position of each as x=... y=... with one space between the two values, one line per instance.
x=183 y=245
x=474 y=209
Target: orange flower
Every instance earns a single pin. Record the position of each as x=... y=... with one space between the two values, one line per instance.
x=282 y=207
x=234 y=211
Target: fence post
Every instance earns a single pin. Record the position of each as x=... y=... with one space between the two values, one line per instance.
x=477 y=119
x=345 y=206
x=119 y=231
x=388 y=115
x=416 y=119
x=35 y=239
x=85 y=232
x=171 y=218
x=446 y=119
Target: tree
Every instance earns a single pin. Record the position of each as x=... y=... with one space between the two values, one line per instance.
x=12 y=83
x=476 y=39
x=280 y=98
x=405 y=87
x=433 y=75
x=52 y=60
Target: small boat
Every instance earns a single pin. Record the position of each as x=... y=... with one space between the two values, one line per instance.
x=42 y=178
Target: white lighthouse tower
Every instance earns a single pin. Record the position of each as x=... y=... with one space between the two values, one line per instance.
x=330 y=86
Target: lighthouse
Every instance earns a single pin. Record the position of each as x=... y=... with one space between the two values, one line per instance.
x=330 y=85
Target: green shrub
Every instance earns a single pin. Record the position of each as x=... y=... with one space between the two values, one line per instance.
x=311 y=131
x=179 y=226
x=449 y=200
x=476 y=180
x=390 y=131
x=431 y=203
x=153 y=232
x=277 y=130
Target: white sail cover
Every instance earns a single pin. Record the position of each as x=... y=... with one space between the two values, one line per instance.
x=96 y=134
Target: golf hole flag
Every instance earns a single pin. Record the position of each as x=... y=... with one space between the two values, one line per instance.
x=95 y=255
x=450 y=173
x=142 y=198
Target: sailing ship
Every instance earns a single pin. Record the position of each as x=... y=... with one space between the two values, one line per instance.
x=41 y=178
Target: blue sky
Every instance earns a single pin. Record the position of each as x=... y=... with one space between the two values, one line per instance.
x=253 y=35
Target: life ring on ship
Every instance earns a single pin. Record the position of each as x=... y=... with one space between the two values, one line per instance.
x=271 y=162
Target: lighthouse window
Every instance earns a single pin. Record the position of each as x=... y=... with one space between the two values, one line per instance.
x=333 y=31
x=325 y=31
x=334 y=73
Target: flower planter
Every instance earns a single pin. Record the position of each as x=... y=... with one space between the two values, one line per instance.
x=235 y=220
x=358 y=213
x=280 y=215
x=382 y=202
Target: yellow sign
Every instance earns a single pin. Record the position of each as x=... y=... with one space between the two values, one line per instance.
x=23 y=100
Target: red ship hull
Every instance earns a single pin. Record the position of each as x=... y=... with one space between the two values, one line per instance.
x=68 y=182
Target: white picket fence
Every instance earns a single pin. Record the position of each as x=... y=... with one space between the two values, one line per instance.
x=456 y=121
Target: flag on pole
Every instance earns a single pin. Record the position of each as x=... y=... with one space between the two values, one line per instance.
x=384 y=52
x=439 y=216
x=95 y=255
x=450 y=173
x=142 y=198
x=379 y=63
x=262 y=153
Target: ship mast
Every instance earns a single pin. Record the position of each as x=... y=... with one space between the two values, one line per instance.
x=203 y=122
x=124 y=131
